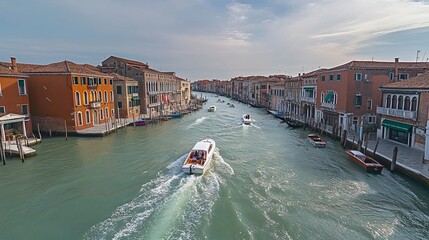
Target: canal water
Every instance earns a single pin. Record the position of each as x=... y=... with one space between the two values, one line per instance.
x=266 y=182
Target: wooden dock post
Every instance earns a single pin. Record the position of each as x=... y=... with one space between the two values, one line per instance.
x=65 y=126
x=376 y=146
x=2 y=152
x=359 y=145
x=395 y=155
x=366 y=137
x=344 y=139
x=38 y=131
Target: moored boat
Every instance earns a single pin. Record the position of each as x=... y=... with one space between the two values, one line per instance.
x=316 y=140
x=247 y=119
x=368 y=163
x=212 y=108
x=199 y=157
x=175 y=115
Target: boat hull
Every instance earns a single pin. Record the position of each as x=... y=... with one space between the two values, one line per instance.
x=317 y=141
x=195 y=166
x=246 y=121
x=369 y=164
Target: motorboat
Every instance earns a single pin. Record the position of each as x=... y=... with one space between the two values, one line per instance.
x=247 y=119
x=199 y=158
x=316 y=140
x=212 y=109
x=368 y=163
x=175 y=115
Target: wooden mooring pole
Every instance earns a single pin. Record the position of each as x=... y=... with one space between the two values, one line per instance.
x=38 y=131
x=65 y=126
x=376 y=146
x=2 y=152
x=344 y=139
x=395 y=155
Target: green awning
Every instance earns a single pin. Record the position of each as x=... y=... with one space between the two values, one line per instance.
x=403 y=127
x=135 y=98
x=329 y=97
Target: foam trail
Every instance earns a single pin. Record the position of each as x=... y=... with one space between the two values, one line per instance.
x=198 y=121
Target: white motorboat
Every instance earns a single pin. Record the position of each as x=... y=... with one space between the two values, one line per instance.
x=247 y=119
x=212 y=109
x=200 y=157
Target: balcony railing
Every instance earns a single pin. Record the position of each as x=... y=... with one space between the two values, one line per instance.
x=308 y=99
x=93 y=85
x=289 y=98
x=397 y=113
x=154 y=104
x=134 y=94
x=95 y=104
x=332 y=106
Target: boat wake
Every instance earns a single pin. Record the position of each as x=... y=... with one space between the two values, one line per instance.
x=196 y=122
x=172 y=206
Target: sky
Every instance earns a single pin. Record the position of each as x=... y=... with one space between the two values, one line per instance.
x=215 y=39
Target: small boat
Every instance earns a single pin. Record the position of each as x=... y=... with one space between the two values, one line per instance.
x=212 y=109
x=364 y=161
x=175 y=115
x=140 y=122
x=293 y=123
x=247 y=119
x=316 y=140
x=232 y=105
x=199 y=157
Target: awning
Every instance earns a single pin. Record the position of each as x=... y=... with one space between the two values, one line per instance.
x=329 y=97
x=403 y=127
x=135 y=98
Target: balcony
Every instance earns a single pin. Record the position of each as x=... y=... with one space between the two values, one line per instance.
x=308 y=99
x=331 y=106
x=289 y=98
x=95 y=104
x=397 y=113
x=134 y=95
x=92 y=85
x=154 y=104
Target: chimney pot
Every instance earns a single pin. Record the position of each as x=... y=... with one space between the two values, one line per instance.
x=13 y=61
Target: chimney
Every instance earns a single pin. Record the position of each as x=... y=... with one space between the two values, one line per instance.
x=395 y=78
x=13 y=61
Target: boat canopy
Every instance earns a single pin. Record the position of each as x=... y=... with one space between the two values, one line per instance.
x=202 y=146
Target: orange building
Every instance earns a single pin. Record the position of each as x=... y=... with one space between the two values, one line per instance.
x=14 y=101
x=70 y=94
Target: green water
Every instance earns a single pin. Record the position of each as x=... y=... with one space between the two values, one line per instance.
x=266 y=182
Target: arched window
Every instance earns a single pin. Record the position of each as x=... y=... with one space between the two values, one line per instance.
x=111 y=96
x=77 y=99
x=100 y=96
x=105 y=96
x=113 y=113
x=388 y=101
x=87 y=117
x=79 y=119
x=414 y=104
x=92 y=97
x=400 y=102
x=107 y=113
x=322 y=97
x=85 y=98
x=407 y=103
x=101 y=114
x=394 y=102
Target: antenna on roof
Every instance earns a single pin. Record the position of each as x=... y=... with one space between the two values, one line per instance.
x=417 y=56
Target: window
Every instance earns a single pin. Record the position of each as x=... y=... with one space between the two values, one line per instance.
x=331 y=77
x=120 y=105
x=358 y=99
x=403 y=76
x=118 y=89
x=323 y=78
x=113 y=113
x=371 y=119
x=2 y=109
x=407 y=103
x=394 y=102
x=79 y=119
x=388 y=101
x=77 y=94
x=107 y=113
x=369 y=104
x=24 y=109
x=111 y=96
x=392 y=76
x=83 y=80
x=111 y=81
x=100 y=96
x=91 y=81
x=85 y=98
x=76 y=80
x=105 y=81
x=105 y=96
x=101 y=114
x=414 y=104
x=400 y=102
x=87 y=117
x=99 y=81
x=338 y=77
x=21 y=87
x=358 y=76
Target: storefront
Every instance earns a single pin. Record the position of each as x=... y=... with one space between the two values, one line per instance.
x=397 y=131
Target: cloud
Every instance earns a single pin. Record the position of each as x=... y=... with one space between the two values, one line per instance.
x=213 y=39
